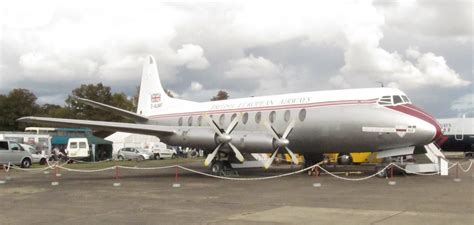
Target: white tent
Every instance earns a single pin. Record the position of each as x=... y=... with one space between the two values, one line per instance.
x=121 y=140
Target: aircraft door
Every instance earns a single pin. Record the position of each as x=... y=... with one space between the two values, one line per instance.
x=459 y=131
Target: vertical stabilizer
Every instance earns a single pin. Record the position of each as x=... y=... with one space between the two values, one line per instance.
x=152 y=94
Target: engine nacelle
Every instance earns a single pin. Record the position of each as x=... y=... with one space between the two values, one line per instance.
x=205 y=138
x=196 y=137
x=253 y=142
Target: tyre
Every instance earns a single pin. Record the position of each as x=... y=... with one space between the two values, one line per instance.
x=42 y=161
x=157 y=156
x=217 y=167
x=26 y=163
x=344 y=159
x=120 y=157
x=140 y=158
x=173 y=156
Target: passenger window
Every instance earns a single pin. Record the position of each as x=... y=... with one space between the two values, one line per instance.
x=287 y=115
x=272 y=116
x=73 y=145
x=302 y=115
x=180 y=121
x=233 y=117
x=397 y=99
x=385 y=100
x=258 y=117
x=245 y=118
x=200 y=121
x=82 y=145
x=190 y=121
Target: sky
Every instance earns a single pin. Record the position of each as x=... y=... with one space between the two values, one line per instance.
x=247 y=48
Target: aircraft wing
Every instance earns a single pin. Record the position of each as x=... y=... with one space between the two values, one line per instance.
x=102 y=125
x=115 y=110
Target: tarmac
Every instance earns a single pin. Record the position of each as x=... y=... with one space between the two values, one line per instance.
x=148 y=197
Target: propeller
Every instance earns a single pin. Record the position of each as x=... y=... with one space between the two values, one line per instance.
x=223 y=137
x=281 y=142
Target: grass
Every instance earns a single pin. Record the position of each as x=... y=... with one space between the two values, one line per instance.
x=145 y=163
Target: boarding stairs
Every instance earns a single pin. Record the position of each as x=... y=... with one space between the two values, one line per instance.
x=432 y=161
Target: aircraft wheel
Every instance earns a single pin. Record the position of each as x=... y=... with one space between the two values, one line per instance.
x=217 y=167
x=344 y=159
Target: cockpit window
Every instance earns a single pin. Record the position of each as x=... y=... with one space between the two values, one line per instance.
x=393 y=100
x=405 y=99
x=397 y=99
x=385 y=100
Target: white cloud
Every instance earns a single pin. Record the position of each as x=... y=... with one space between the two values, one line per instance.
x=451 y=19
x=45 y=67
x=192 y=56
x=378 y=64
x=464 y=104
x=195 y=86
x=252 y=67
x=339 y=82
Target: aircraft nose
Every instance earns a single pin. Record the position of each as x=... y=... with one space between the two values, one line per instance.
x=427 y=129
x=431 y=128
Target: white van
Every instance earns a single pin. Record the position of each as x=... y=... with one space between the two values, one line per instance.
x=12 y=152
x=78 y=148
x=162 y=151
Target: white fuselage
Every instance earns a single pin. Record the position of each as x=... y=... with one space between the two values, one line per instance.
x=349 y=120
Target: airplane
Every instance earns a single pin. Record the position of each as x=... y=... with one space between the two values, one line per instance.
x=308 y=123
x=458 y=135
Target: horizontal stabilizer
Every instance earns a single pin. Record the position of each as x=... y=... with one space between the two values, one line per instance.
x=101 y=125
x=112 y=109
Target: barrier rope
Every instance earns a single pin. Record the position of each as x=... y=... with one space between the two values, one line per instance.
x=318 y=165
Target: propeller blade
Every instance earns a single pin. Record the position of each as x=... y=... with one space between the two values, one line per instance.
x=233 y=124
x=292 y=155
x=289 y=129
x=211 y=156
x=213 y=125
x=269 y=162
x=270 y=128
x=239 y=155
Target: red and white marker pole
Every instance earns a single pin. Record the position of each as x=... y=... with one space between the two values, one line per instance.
x=176 y=178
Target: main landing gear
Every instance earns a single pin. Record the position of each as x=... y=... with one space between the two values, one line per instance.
x=311 y=160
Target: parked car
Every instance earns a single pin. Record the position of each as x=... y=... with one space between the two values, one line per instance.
x=163 y=152
x=78 y=148
x=133 y=153
x=12 y=152
x=36 y=157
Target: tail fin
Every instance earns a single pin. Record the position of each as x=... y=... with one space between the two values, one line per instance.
x=153 y=99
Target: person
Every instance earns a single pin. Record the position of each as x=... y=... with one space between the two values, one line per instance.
x=55 y=153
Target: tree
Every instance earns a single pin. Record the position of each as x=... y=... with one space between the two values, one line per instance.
x=99 y=93
x=18 y=103
x=52 y=110
x=221 y=95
